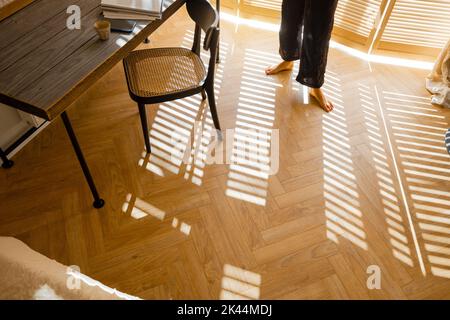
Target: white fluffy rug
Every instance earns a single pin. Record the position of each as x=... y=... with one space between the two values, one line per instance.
x=27 y=274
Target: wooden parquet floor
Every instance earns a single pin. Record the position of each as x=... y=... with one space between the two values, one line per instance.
x=367 y=185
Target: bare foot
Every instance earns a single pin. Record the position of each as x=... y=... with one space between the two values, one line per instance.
x=318 y=94
x=282 y=66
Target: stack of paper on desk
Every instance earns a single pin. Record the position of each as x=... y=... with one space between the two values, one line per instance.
x=109 y=14
x=132 y=9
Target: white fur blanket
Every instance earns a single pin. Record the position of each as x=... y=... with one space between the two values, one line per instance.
x=27 y=274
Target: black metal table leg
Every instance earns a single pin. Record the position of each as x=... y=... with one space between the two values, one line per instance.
x=6 y=162
x=98 y=202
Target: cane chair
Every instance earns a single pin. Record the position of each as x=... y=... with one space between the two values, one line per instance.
x=165 y=74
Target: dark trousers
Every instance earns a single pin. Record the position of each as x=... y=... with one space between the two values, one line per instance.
x=305 y=34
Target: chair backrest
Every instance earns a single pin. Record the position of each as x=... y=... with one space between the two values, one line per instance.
x=205 y=17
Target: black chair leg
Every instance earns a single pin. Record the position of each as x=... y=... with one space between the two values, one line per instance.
x=143 y=115
x=218 y=25
x=212 y=107
x=6 y=162
x=218 y=54
x=204 y=94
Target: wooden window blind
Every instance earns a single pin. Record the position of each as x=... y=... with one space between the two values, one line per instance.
x=417 y=26
x=263 y=4
x=357 y=16
x=355 y=20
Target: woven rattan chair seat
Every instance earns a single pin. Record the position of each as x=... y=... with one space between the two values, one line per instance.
x=163 y=71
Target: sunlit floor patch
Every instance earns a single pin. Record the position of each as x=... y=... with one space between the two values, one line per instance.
x=254 y=150
x=140 y=209
x=240 y=284
x=342 y=207
x=205 y=139
x=418 y=130
x=391 y=204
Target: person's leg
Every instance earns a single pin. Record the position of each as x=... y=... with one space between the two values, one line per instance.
x=292 y=12
x=318 y=24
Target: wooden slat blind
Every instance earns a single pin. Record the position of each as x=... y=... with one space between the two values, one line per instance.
x=263 y=4
x=357 y=16
x=414 y=25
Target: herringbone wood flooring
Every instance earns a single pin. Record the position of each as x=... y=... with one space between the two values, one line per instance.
x=365 y=185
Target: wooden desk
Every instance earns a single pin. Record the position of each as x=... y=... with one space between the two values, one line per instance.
x=44 y=66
